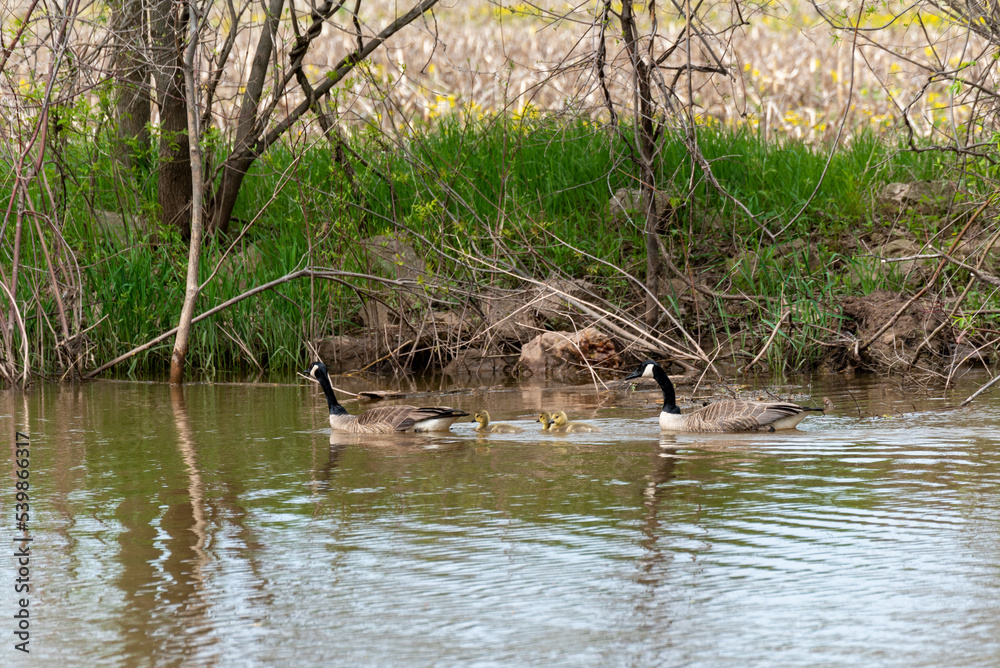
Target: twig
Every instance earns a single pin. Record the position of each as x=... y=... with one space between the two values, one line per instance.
x=981 y=275
x=774 y=332
x=336 y=389
x=856 y=404
x=954 y=244
x=980 y=391
x=24 y=334
x=848 y=106
x=309 y=272
x=955 y=363
x=391 y=353
x=642 y=338
x=705 y=290
x=643 y=287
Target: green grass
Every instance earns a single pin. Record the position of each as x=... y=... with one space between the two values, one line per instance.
x=530 y=192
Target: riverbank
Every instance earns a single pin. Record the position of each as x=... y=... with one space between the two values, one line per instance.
x=463 y=247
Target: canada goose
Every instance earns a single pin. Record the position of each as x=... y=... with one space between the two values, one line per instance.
x=562 y=425
x=483 y=418
x=382 y=419
x=545 y=419
x=727 y=415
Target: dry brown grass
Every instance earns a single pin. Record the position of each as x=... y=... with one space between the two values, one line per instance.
x=790 y=73
x=790 y=76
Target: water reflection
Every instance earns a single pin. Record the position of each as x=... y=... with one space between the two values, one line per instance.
x=189 y=528
x=163 y=558
x=330 y=467
x=662 y=464
x=232 y=525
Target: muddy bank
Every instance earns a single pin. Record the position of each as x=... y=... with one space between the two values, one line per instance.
x=881 y=332
x=563 y=326
x=508 y=335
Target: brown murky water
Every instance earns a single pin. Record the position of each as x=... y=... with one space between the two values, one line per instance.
x=224 y=527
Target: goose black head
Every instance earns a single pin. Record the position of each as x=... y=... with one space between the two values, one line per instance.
x=645 y=370
x=650 y=369
x=316 y=370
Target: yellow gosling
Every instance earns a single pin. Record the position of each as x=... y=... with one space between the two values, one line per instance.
x=485 y=427
x=545 y=419
x=561 y=425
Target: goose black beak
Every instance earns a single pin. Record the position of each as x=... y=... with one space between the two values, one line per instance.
x=635 y=374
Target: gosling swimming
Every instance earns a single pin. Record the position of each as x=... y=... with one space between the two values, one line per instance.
x=545 y=419
x=485 y=426
x=561 y=425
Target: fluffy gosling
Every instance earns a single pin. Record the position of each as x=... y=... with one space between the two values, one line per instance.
x=485 y=427
x=561 y=425
x=545 y=419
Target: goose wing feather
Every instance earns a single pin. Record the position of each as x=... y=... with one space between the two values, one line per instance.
x=386 y=419
x=401 y=418
x=435 y=413
x=736 y=415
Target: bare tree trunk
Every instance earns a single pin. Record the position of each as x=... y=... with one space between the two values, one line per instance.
x=252 y=140
x=646 y=140
x=181 y=343
x=174 y=183
x=132 y=103
x=653 y=269
x=246 y=130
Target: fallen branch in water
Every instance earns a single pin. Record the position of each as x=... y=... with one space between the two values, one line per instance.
x=979 y=391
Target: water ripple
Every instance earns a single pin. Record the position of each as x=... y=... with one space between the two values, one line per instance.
x=858 y=540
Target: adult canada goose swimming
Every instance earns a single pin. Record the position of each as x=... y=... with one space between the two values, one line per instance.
x=485 y=426
x=545 y=419
x=382 y=419
x=726 y=415
x=562 y=425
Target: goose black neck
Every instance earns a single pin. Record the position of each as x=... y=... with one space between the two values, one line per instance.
x=669 y=398
x=331 y=398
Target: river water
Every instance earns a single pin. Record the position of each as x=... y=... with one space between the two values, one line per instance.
x=222 y=525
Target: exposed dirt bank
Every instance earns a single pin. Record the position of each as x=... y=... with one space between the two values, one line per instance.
x=561 y=326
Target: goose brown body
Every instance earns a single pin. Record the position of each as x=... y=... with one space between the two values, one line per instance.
x=485 y=426
x=727 y=415
x=382 y=419
x=731 y=415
